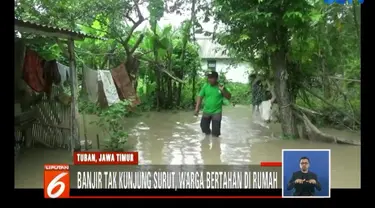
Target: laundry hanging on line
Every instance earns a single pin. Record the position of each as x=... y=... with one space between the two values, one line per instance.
x=109 y=87
x=51 y=75
x=95 y=88
x=33 y=71
x=40 y=74
x=91 y=84
x=123 y=84
x=64 y=72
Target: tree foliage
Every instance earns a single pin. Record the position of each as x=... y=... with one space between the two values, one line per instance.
x=311 y=45
x=308 y=50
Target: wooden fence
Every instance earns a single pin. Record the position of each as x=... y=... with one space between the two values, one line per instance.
x=52 y=124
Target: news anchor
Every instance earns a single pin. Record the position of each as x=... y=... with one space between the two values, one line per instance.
x=304 y=182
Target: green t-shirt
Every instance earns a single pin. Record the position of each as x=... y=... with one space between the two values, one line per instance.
x=213 y=99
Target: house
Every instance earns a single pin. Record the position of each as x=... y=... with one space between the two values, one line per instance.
x=214 y=57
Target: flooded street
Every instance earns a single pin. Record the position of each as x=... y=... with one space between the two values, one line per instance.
x=175 y=138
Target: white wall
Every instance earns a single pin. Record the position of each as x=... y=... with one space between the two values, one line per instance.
x=235 y=72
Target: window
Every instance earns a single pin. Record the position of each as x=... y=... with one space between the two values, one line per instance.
x=211 y=65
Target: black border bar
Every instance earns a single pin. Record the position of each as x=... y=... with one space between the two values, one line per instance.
x=39 y=193
x=172 y=192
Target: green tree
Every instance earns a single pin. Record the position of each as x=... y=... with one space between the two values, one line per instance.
x=286 y=40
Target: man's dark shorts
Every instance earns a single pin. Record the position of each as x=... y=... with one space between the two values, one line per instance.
x=215 y=119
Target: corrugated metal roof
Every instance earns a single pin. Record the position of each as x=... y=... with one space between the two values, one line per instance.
x=209 y=49
x=19 y=24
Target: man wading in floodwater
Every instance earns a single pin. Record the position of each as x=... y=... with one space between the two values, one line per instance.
x=213 y=94
x=257 y=92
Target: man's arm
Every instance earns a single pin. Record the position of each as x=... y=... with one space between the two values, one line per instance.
x=291 y=182
x=226 y=93
x=317 y=184
x=199 y=100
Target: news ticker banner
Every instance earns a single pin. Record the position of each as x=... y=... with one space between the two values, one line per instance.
x=60 y=180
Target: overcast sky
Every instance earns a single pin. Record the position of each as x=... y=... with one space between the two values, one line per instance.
x=173 y=19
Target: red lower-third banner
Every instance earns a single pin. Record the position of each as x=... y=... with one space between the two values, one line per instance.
x=105 y=158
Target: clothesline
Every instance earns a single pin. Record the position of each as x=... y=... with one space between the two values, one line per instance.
x=79 y=59
x=97 y=54
x=101 y=54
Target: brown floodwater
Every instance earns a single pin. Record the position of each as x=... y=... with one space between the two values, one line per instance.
x=175 y=138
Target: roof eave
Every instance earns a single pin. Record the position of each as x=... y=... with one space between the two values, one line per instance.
x=48 y=33
x=28 y=27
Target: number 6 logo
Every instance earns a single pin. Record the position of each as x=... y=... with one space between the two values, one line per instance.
x=54 y=183
x=58 y=182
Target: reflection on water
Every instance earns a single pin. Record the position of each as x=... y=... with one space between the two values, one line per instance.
x=175 y=138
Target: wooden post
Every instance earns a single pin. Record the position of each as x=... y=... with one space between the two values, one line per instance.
x=86 y=144
x=98 y=141
x=19 y=56
x=76 y=143
x=20 y=86
x=84 y=96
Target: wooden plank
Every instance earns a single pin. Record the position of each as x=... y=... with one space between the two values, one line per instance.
x=52 y=125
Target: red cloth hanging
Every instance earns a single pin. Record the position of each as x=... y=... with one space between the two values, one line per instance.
x=33 y=71
x=123 y=84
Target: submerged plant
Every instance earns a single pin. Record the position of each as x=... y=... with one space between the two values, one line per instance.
x=111 y=120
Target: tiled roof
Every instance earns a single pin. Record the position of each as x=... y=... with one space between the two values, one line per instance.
x=50 y=29
x=209 y=49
